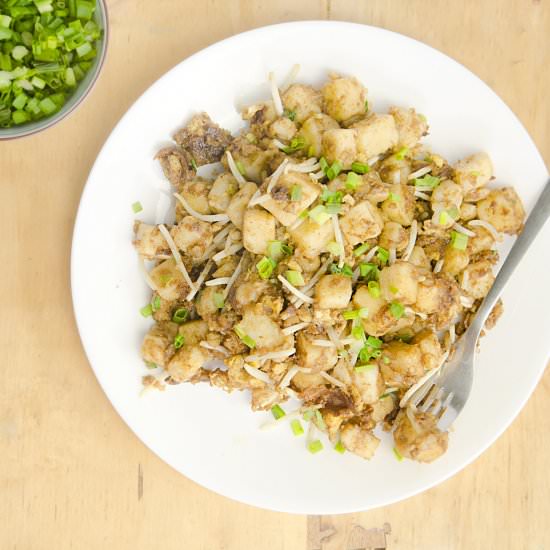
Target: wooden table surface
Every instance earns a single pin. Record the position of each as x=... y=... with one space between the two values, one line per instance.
x=72 y=475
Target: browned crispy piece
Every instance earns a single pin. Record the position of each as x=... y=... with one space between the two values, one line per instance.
x=176 y=165
x=203 y=139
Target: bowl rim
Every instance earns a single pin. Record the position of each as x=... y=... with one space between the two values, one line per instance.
x=62 y=115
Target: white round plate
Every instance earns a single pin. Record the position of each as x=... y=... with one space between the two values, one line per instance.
x=211 y=437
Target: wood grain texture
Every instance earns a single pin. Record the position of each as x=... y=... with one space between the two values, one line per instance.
x=72 y=475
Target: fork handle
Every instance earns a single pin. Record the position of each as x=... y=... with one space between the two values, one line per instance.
x=533 y=225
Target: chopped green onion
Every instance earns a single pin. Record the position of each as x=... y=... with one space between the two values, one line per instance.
x=296 y=144
x=277 y=249
x=303 y=214
x=296 y=427
x=136 y=207
x=397 y=310
x=294 y=278
x=19 y=101
x=19 y=117
x=459 y=240
x=386 y=360
x=219 y=302
x=324 y=164
x=333 y=208
x=383 y=255
x=37 y=82
x=352 y=181
x=394 y=289
x=358 y=332
x=334 y=248
x=444 y=217
x=151 y=365
x=334 y=169
x=47 y=106
x=453 y=212
x=195 y=167
x=5 y=21
x=339 y=448
x=397 y=455
x=19 y=52
x=265 y=267
x=180 y=315
x=401 y=154
x=278 y=412
x=427 y=181
x=374 y=342
x=360 y=167
x=245 y=339
x=361 y=249
x=352 y=314
x=319 y=214
x=365 y=368
x=332 y=197
x=240 y=167
x=147 y=310
x=179 y=340
x=368 y=270
x=289 y=114
x=155 y=304
x=296 y=193
x=395 y=197
x=366 y=105
x=344 y=270
x=308 y=415
x=374 y=289
x=315 y=446
x=251 y=138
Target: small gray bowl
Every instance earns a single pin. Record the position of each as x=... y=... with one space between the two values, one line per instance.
x=82 y=90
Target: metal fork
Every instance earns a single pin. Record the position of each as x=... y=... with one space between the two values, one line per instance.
x=446 y=393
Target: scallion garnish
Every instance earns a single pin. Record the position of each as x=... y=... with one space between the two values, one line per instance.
x=331 y=197
x=427 y=181
x=366 y=105
x=397 y=310
x=245 y=339
x=289 y=114
x=339 y=448
x=240 y=167
x=194 y=164
x=358 y=332
x=333 y=170
x=398 y=455
x=265 y=267
x=308 y=415
x=394 y=289
x=136 y=207
x=323 y=163
x=319 y=214
x=179 y=340
x=352 y=181
x=361 y=249
x=360 y=167
x=180 y=315
x=147 y=310
x=459 y=240
x=155 y=304
x=351 y=314
x=219 y=302
x=151 y=365
x=344 y=270
x=294 y=278
x=296 y=427
x=402 y=153
x=383 y=255
x=276 y=250
x=444 y=217
x=296 y=193
x=369 y=271
x=315 y=446
x=395 y=197
x=296 y=144
x=278 y=412
x=374 y=289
